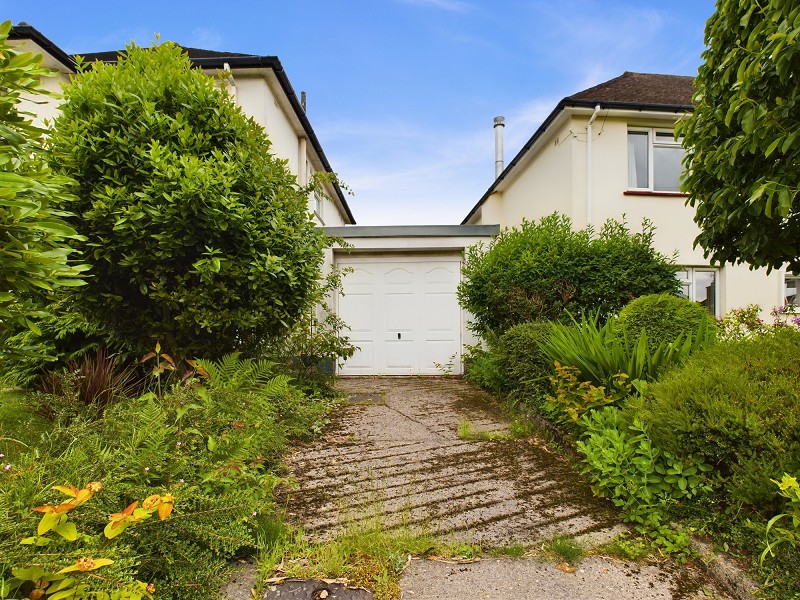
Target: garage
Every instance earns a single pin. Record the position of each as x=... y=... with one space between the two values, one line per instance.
x=403 y=314
x=399 y=297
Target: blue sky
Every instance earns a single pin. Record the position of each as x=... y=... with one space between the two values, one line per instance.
x=402 y=93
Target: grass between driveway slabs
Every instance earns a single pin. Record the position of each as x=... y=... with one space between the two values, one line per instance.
x=368 y=556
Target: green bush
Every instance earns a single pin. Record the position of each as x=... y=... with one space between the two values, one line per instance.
x=483 y=370
x=639 y=478
x=196 y=233
x=738 y=405
x=664 y=317
x=544 y=270
x=525 y=369
x=215 y=448
x=34 y=237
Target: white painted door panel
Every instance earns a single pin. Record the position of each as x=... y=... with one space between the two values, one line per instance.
x=403 y=314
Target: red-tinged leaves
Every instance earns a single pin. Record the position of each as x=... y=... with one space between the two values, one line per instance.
x=86 y=564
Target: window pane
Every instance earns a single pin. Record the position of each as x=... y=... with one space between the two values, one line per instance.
x=791 y=288
x=686 y=290
x=667 y=168
x=705 y=290
x=637 y=159
x=682 y=275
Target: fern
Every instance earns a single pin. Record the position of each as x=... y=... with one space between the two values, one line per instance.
x=232 y=373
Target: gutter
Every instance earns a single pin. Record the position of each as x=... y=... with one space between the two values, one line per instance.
x=589 y=165
x=27 y=32
x=571 y=103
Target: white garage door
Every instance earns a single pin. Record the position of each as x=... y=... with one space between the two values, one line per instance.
x=403 y=314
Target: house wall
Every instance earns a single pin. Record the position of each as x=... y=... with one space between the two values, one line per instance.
x=45 y=109
x=256 y=97
x=545 y=185
x=554 y=178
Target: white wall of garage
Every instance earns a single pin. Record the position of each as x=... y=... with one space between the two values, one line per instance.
x=400 y=297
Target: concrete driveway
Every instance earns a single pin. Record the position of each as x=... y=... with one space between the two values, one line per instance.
x=396 y=450
x=394 y=453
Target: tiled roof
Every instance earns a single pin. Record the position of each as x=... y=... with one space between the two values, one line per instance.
x=111 y=55
x=641 y=88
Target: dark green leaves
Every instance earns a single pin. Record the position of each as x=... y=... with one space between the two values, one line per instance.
x=34 y=258
x=545 y=270
x=197 y=234
x=742 y=140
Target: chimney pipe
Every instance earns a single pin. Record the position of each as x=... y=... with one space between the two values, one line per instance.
x=499 y=124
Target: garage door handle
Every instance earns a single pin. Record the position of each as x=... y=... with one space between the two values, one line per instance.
x=398 y=336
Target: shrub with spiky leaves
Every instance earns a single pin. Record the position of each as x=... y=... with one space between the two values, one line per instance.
x=197 y=234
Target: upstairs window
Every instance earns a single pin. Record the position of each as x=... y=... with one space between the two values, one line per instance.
x=654 y=160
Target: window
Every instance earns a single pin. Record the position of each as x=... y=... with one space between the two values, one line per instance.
x=700 y=285
x=790 y=288
x=654 y=160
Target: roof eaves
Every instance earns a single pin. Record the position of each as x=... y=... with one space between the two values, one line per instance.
x=569 y=102
x=27 y=32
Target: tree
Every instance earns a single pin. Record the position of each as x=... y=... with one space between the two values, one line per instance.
x=34 y=255
x=197 y=235
x=743 y=138
x=546 y=270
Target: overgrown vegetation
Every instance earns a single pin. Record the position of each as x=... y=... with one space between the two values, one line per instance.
x=196 y=236
x=215 y=448
x=683 y=423
x=196 y=233
x=35 y=258
x=546 y=270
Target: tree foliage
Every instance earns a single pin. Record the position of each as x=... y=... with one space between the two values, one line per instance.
x=196 y=233
x=34 y=256
x=743 y=139
x=546 y=270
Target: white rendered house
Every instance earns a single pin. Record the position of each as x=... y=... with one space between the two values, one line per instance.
x=258 y=84
x=610 y=151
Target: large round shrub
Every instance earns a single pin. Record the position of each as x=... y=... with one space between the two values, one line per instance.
x=196 y=233
x=525 y=368
x=737 y=404
x=546 y=270
x=664 y=318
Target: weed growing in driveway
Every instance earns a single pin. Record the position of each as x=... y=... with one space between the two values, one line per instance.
x=366 y=555
x=564 y=548
x=625 y=548
x=467 y=432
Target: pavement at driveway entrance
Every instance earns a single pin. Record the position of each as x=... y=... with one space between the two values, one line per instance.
x=394 y=454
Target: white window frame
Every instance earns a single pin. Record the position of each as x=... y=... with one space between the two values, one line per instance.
x=689 y=283
x=652 y=143
x=795 y=277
